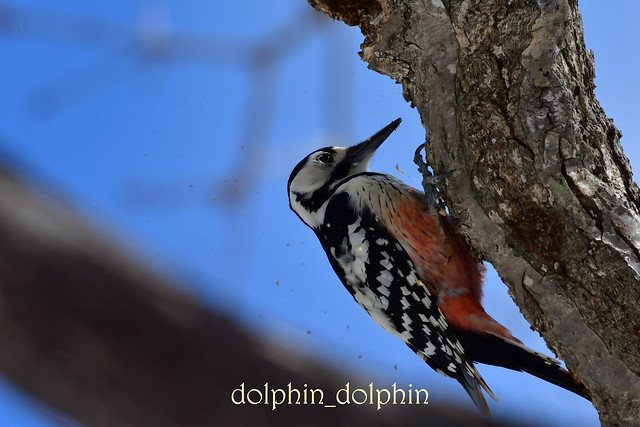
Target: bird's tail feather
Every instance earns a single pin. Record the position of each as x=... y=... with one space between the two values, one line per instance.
x=494 y=350
x=473 y=384
x=470 y=379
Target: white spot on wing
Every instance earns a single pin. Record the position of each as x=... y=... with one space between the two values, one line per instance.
x=384 y=290
x=385 y=278
x=429 y=350
x=411 y=278
x=406 y=321
x=443 y=322
x=433 y=321
x=384 y=302
x=386 y=263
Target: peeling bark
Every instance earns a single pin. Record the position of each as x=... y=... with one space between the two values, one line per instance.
x=543 y=190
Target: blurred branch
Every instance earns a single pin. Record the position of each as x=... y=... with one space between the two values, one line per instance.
x=99 y=336
x=133 y=49
x=153 y=43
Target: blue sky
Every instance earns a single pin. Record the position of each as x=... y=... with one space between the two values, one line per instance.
x=166 y=125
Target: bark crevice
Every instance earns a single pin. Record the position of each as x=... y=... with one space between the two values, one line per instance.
x=543 y=192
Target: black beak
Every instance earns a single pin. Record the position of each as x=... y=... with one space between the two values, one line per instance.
x=364 y=150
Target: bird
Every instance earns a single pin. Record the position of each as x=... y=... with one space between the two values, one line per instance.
x=398 y=254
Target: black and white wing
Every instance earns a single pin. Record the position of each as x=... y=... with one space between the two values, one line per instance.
x=381 y=277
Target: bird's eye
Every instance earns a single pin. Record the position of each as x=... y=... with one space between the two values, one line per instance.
x=325 y=158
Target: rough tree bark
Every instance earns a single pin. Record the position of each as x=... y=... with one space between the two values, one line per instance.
x=543 y=190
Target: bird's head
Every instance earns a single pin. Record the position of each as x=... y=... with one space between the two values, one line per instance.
x=314 y=179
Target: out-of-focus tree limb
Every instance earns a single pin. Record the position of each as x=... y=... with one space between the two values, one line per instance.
x=98 y=336
x=543 y=189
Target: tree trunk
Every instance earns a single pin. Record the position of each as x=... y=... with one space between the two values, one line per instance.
x=543 y=190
